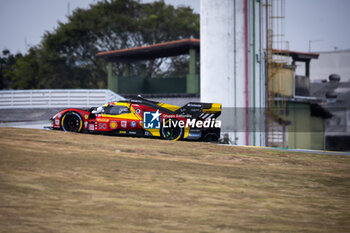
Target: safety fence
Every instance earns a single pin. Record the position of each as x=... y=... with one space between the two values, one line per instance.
x=56 y=98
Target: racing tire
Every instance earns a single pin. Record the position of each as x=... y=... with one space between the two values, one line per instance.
x=171 y=133
x=72 y=122
x=210 y=137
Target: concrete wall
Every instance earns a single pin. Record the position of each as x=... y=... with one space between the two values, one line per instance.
x=317 y=133
x=217 y=53
x=305 y=131
x=137 y=85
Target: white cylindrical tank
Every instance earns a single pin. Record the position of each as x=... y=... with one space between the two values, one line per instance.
x=230 y=72
x=217 y=65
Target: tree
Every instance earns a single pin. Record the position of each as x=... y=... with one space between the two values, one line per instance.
x=66 y=57
x=7 y=60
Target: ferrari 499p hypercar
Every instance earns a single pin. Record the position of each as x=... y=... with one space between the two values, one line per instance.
x=145 y=118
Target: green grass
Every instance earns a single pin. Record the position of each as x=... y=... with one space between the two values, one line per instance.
x=64 y=182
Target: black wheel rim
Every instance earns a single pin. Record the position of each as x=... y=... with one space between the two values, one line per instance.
x=171 y=133
x=71 y=123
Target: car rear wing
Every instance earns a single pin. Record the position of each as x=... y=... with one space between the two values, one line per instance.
x=202 y=111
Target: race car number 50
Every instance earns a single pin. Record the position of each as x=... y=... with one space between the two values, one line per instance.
x=102 y=125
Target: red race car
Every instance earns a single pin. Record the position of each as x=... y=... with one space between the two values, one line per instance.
x=145 y=118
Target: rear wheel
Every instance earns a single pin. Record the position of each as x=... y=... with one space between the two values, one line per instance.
x=210 y=137
x=72 y=122
x=171 y=132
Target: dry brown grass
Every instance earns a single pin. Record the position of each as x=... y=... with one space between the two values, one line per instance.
x=65 y=182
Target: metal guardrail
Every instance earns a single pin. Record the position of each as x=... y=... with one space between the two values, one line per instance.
x=56 y=98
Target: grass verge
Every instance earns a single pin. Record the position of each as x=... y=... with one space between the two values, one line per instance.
x=64 y=182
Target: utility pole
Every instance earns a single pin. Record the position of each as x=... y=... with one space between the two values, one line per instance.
x=68 y=9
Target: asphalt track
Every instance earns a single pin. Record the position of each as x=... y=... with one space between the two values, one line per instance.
x=42 y=123
x=26 y=124
x=302 y=150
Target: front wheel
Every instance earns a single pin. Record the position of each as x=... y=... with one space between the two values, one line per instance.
x=171 y=130
x=72 y=122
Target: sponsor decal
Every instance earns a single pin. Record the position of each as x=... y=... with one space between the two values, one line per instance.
x=151 y=120
x=132 y=132
x=122 y=131
x=123 y=124
x=91 y=127
x=102 y=120
x=86 y=117
x=85 y=124
x=57 y=122
x=194 y=105
x=137 y=101
x=147 y=133
x=194 y=134
x=59 y=115
x=133 y=124
x=138 y=111
x=113 y=124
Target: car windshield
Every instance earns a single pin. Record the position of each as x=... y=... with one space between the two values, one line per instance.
x=115 y=110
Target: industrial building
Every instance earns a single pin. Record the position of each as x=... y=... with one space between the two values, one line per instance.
x=335 y=95
x=296 y=119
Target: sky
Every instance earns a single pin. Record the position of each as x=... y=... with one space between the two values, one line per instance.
x=324 y=22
